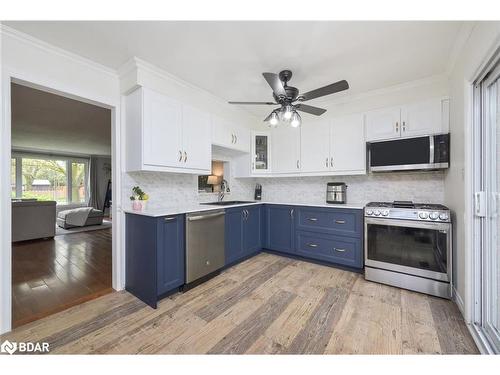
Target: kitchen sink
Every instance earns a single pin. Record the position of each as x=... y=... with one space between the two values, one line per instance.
x=228 y=203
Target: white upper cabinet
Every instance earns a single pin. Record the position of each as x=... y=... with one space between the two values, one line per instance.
x=196 y=134
x=315 y=146
x=347 y=144
x=383 y=123
x=260 y=153
x=227 y=135
x=421 y=118
x=162 y=129
x=285 y=149
x=163 y=134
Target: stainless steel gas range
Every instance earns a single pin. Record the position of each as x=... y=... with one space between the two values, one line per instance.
x=409 y=245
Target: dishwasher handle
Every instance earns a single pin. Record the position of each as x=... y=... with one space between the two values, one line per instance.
x=207 y=216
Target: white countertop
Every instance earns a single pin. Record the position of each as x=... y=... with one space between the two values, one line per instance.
x=176 y=210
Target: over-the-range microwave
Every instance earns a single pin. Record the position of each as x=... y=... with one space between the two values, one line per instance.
x=404 y=154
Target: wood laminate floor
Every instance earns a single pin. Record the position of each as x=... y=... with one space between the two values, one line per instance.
x=267 y=304
x=52 y=275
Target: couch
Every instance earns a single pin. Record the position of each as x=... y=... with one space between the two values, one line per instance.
x=32 y=219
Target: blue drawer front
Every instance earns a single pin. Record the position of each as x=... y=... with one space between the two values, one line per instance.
x=340 y=221
x=346 y=251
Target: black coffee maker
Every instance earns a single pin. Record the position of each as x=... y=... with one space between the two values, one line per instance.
x=258 y=192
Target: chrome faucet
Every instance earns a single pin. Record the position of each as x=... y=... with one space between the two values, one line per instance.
x=224 y=188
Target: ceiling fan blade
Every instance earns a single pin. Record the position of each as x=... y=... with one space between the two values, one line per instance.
x=268 y=117
x=327 y=90
x=274 y=81
x=254 y=103
x=310 y=109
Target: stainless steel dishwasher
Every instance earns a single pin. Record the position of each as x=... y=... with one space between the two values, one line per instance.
x=205 y=250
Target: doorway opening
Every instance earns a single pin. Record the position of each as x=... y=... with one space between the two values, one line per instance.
x=61 y=197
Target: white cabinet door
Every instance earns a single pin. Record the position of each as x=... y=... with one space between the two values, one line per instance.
x=196 y=139
x=383 y=123
x=421 y=118
x=162 y=130
x=242 y=138
x=221 y=132
x=348 y=146
x=286 y=149
x=315 y=146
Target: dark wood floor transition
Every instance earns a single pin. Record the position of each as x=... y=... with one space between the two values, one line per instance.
x=267 y=304
x=49 y=276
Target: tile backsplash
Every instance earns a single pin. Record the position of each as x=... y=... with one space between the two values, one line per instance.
x=169 y=189
x=423 y=187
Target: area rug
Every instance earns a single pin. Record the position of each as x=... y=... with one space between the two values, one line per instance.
x=106 y=224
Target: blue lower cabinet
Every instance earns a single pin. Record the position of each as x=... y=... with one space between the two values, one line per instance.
x=154 y=256
x=346 y=251
x=243 y=232
x=279 y=228
x=234 y=235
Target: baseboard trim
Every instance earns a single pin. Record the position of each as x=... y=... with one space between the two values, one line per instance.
x=457 y=298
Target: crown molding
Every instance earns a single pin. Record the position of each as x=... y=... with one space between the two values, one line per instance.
x=137 y=63
x=434 y=79
x=461 y=39
x=40 y=44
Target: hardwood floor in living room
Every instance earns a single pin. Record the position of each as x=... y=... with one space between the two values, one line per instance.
x=52 y=275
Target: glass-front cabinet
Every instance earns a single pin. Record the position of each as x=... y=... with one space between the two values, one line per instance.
x=261 y=161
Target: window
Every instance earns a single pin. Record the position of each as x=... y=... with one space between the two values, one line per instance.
x=44 y=177
x=211 y=183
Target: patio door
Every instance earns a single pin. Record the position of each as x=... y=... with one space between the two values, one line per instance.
x=487 y=205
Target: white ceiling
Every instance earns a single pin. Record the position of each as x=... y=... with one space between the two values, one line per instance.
x=50 y=122
x=227 y=58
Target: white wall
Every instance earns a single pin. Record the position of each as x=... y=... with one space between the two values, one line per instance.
x=43 y=66
x=483 y=37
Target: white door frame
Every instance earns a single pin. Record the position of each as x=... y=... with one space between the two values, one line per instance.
x=118 y=256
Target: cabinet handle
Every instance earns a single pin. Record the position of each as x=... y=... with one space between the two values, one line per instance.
x=235 y=139
x=298 y=164
x=331 y=162
x=244 y=214
x=185 y=156
x=339 y=250
x=180 y=155
x=291 y=213
x=312 y=219
x=248 y=213
x=326 y=162
x=170 y=218
x=404 y=126
x=397 y=127
x=312 y=245
x=339 y=221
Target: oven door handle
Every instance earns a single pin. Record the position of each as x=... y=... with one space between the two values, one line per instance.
x=408 y=223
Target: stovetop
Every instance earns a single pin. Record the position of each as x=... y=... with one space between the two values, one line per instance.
x=407 y=210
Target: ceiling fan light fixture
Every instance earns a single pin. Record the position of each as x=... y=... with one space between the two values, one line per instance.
x=273 y=121
x=287 y=112
x=295 y=120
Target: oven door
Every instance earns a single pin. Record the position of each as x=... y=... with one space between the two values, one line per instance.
x=411 y=247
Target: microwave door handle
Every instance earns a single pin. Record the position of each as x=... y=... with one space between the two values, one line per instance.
x=431 y=149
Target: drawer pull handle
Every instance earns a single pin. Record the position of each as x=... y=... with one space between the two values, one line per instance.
x=339 y=250
x=340 y=221
x=312 y=219
x=312 y=245
x=170 y=218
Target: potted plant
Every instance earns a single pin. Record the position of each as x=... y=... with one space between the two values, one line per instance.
x=139 y=199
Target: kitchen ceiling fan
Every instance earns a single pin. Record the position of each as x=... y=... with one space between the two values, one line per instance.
x=290 y=100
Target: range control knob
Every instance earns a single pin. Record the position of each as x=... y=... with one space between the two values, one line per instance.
x=385 y=213
x=434 y=215
x=369 y=212
x=443 y=216
x=376 y=213
x=423 y=215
